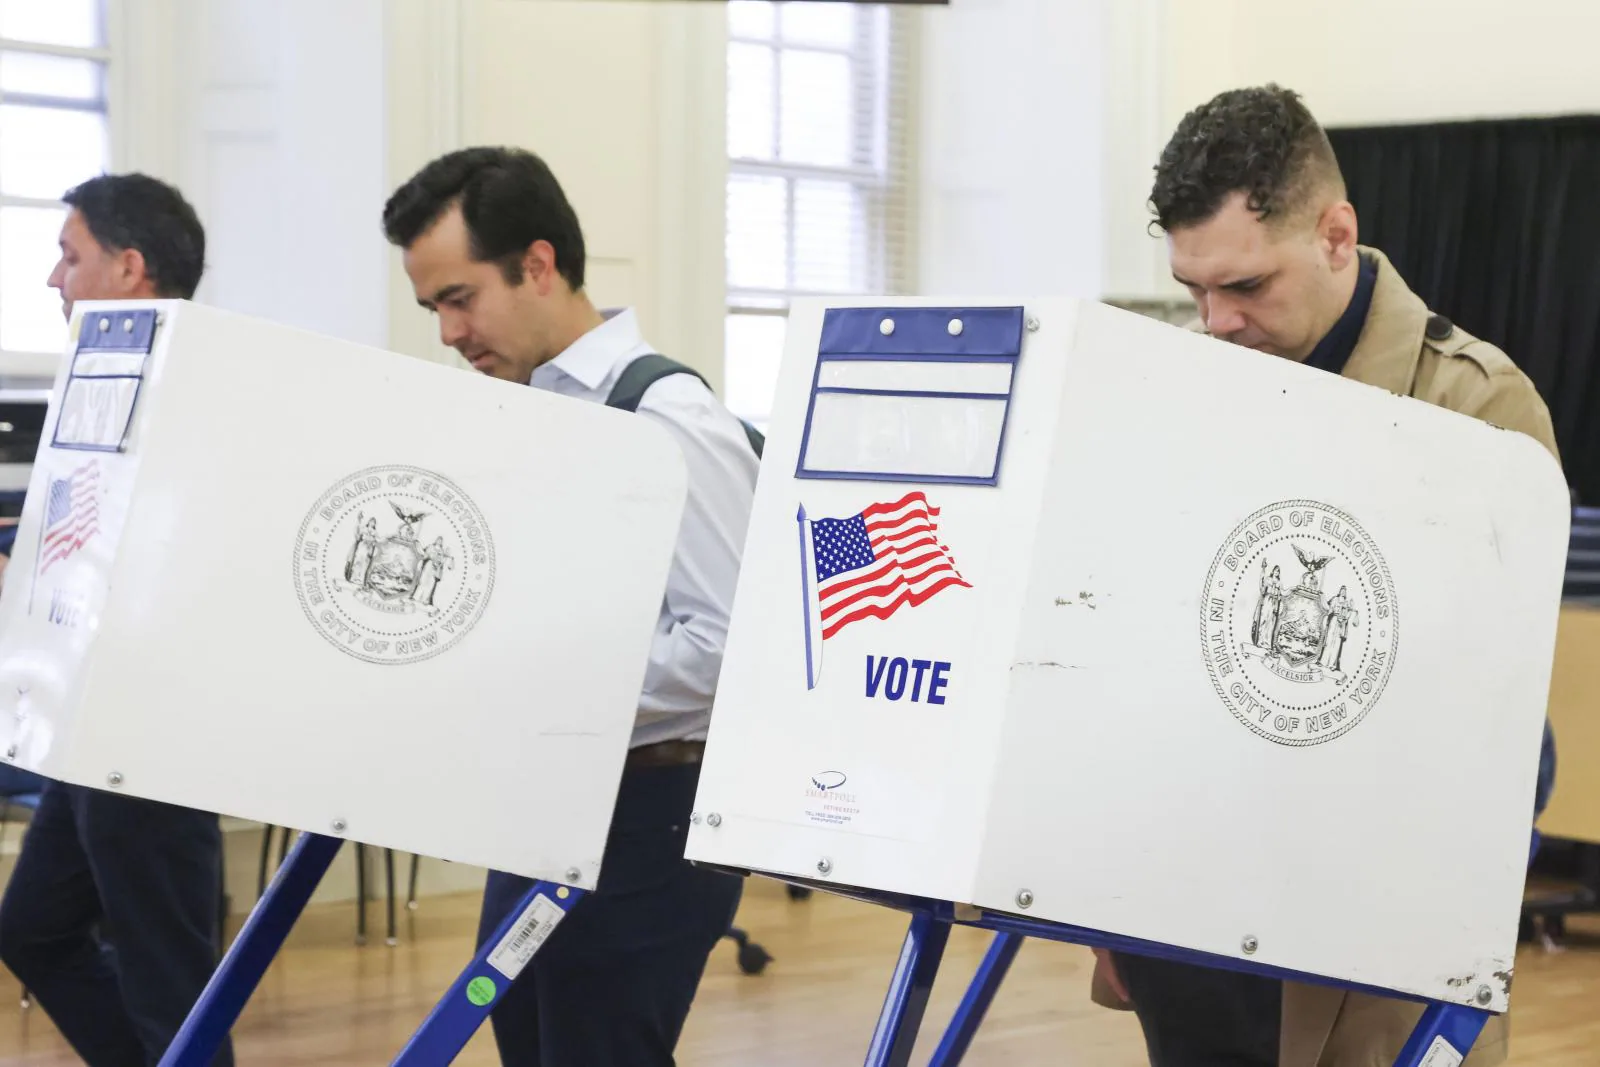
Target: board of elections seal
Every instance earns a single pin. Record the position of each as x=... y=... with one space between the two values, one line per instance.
x=1299 y=623
x=394 y=564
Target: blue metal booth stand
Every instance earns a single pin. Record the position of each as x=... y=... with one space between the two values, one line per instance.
x=1442 y=1037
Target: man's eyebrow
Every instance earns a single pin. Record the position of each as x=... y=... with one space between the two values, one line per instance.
x=1246 y=283
x=1233 y=286
x=447 y=293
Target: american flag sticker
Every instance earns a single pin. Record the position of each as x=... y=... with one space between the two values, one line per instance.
x=869 y=565
x=72 y=515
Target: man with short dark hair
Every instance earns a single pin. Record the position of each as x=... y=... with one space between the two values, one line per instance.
x=111 y=914
x=1259 y=230
x=128 y=237
x=492 y=246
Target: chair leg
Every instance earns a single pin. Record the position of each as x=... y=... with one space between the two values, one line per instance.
x=361 y=894
x=388 y=878
x=266 y=854
x=411 y=893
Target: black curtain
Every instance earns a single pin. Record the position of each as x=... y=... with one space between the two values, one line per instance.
x=1496 y=224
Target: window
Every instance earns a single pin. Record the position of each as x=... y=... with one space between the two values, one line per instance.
x=818 y=204
x=53 y=134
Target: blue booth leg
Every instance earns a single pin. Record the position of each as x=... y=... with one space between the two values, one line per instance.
x=901 y=1017
x=247 y=959
x=975 y=1002
x=1443 y=1036
x=459 y=1013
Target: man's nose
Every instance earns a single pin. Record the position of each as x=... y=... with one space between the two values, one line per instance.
x=1223 y=317
x=453 y=328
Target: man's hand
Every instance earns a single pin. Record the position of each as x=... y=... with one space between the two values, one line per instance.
x=1105 y=969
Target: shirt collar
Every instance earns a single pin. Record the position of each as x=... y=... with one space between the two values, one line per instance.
x=1335 y=349
x=590 y=358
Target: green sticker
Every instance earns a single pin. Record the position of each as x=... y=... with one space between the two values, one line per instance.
x=480 y=991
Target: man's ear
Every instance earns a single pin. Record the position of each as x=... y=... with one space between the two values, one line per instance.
x=1339 y=234
x=539 y=266
x=130 y=273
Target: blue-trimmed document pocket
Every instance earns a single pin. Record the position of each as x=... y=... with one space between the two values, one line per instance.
x=912 y=394
x=103 y=385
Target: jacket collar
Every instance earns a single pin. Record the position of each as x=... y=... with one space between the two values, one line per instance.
x=1391 y=342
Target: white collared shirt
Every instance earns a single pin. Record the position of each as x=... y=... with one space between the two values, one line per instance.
x=686 y=654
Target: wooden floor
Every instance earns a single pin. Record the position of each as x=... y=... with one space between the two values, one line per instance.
x=326 y=1001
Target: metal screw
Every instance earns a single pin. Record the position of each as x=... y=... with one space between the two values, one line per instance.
x=1250 y=944
x=339 y=826
x=573 y=874
x=713 y=820
x=11 y=753
x=127 y=325
x=1024 y=898
x=1032 y=324
x=1485 y=994
x=114 y=778
x=886 y=327
x=824 y=866
x=105 y=324
x=695 y=818
x=955 y=327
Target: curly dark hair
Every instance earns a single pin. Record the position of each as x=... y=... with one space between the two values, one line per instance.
x=509 y=199
x=1262 y=142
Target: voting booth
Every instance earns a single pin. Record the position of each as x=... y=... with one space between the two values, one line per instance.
x=407 y=596
x=1061 y=621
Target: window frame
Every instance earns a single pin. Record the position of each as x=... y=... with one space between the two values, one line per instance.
x=881 y=58
x=20 y=363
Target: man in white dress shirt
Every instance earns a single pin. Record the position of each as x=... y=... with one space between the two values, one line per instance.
x=492 y=247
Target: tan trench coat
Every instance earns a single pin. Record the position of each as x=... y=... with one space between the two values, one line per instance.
x=1405 y=349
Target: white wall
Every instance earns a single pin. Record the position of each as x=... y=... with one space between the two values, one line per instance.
x=1039 y=121
x=624 y=100
x=269 y=117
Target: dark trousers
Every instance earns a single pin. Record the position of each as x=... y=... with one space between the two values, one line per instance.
x=1199 y=1017
x=110 y=920
x=613 y=983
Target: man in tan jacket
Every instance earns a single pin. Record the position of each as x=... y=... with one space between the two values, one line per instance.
x=1258 y=228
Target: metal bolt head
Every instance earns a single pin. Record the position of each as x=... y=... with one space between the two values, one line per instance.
x=1031 y=324
x=127 y=325
x=339 y=826
x=955 y=327
x=114 y=779
x=694 y=819
x=1250 y=944
x=105 y=324
x=713 y=820
x=1485 y=994
x=573 y=874
x=824 y=866
x=886 y=327
x=1024 y=898
x=11 y=753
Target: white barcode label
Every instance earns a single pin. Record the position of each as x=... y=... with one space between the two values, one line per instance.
x=1441 y=1054
x=523 y=940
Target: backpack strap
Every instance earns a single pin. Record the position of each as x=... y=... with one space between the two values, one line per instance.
x=640 y=375
x=645 y=371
